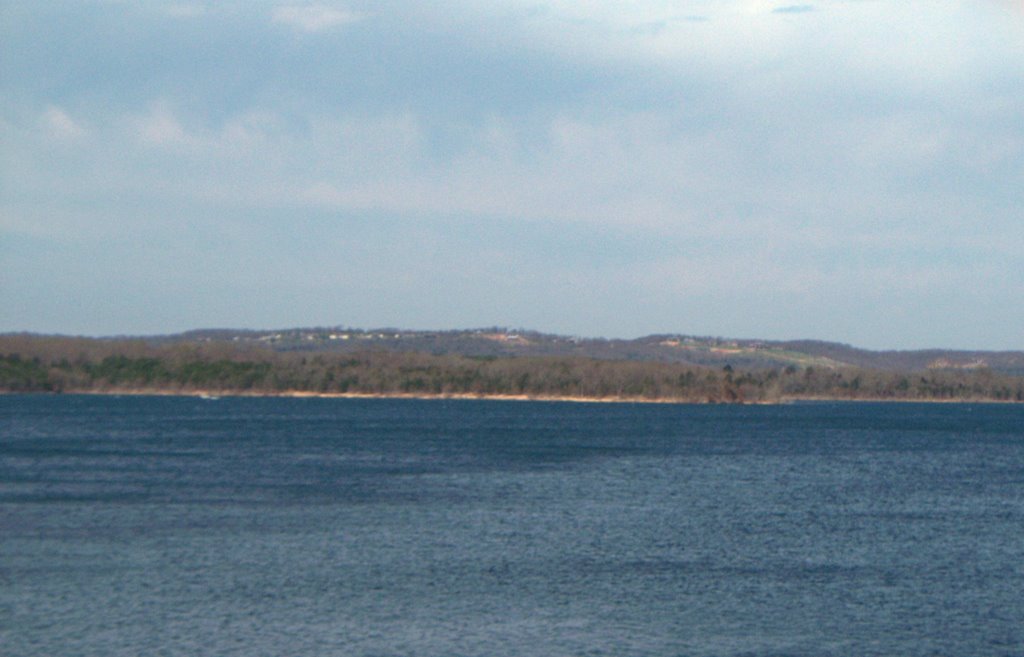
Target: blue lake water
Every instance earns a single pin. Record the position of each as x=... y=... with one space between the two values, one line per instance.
x=180 y=526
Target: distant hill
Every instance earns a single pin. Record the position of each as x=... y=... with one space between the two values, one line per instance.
x=498 y=363
x=667 y=348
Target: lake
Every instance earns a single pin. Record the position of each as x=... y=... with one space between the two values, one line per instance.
x=372 y=527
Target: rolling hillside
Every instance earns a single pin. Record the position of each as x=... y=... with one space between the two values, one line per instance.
x=669 y=348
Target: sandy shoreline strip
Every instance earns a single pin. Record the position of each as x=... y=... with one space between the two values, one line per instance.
x=306 y=394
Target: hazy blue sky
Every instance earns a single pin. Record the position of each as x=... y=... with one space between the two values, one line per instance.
x=849 y=170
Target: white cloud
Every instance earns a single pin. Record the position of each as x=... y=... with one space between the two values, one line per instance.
x=879 y=44
x=314 y=18
x=637 y=170
x=59 y=125
x=160 y=127
x=239 y=136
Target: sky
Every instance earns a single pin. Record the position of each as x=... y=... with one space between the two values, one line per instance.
x=845 y=170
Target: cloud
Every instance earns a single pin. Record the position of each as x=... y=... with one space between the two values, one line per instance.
x=862 y=43
x=160 y=127
x=314 y=18
x=60 y=125
x=793 y=9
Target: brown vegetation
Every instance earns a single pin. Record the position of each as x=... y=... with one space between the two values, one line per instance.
x=55 y=364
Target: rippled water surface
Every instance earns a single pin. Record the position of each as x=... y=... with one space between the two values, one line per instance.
x=179 y=526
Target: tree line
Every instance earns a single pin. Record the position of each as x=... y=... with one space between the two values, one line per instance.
x=31 y=363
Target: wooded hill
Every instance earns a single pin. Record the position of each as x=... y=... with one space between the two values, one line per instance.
x=30 y=363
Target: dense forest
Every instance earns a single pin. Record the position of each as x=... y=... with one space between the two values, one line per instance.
x=31 y=363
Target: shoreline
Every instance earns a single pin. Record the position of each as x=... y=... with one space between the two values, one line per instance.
x=210 y=394
x=307 y=394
